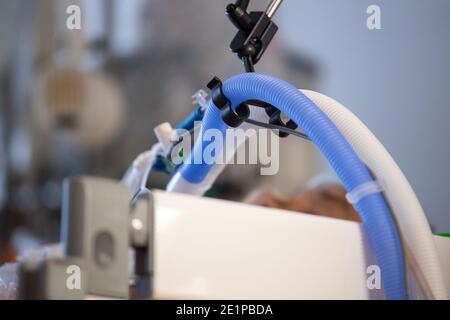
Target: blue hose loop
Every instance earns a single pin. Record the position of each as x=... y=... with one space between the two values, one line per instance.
x=377 y=220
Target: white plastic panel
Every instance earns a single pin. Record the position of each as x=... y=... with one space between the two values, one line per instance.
x=216 y=249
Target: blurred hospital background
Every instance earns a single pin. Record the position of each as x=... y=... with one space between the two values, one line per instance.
x=86 y=102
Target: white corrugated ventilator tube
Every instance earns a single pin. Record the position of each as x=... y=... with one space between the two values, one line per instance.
x=420 y=251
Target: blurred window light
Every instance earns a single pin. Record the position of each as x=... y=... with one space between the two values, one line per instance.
x=117 y=21
x=127 y=32
x=20 y=151
x=93 y=12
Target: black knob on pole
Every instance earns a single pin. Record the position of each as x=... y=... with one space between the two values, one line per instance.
x=240 y=18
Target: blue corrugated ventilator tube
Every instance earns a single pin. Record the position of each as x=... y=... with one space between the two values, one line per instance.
x=377 y=220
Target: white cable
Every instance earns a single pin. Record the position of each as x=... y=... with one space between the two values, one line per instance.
x=407 y=210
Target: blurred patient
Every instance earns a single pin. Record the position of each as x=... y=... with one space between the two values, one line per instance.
x=324 y=200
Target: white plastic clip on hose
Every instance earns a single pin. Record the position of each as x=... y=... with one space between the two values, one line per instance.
x=362 y=191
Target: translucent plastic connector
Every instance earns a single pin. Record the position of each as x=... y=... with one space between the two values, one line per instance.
x=200 y=98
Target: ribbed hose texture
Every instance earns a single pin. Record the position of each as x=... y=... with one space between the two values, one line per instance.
x=377 y=220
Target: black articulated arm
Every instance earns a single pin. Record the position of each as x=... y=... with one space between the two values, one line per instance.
x=256 y=31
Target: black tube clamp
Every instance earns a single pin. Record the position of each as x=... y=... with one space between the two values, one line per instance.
x=275 y=119
x=235 y=117
x=232 y=117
